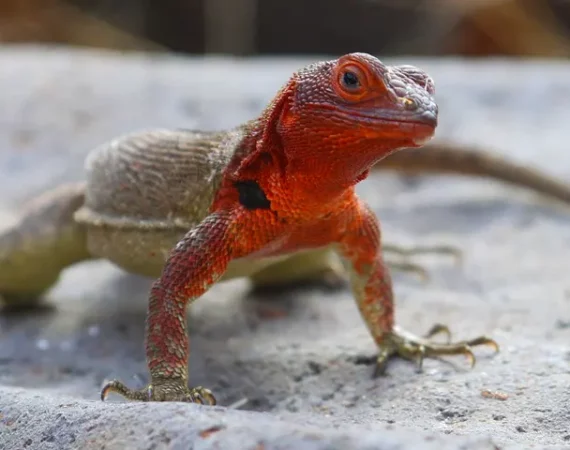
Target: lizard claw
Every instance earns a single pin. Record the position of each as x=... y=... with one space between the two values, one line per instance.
x=439 y=328
x=161 y=390
x=403 y=344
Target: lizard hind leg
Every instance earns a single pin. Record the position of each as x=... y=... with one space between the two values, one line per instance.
x=403 y=255
x=321 y=267
x=442 y=249
x=35 y=249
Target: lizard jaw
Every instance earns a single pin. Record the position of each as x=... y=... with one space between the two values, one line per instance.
x=422 y=140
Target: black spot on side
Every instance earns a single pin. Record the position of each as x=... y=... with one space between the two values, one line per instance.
x=251 y=195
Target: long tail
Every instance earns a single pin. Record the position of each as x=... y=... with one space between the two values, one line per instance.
x=45 y=240
x=446 y=158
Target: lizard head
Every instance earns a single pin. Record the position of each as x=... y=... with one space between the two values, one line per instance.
x=355 y=110
x=360 y=95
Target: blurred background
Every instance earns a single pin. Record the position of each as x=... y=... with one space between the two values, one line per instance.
x=477 y=28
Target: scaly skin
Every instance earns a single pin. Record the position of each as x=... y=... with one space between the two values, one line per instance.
x=145 y=191
x=336 y=118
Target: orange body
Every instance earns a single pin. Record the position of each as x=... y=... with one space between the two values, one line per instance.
x=291 y=187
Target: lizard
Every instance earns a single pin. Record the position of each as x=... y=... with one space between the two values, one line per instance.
x=273 y=198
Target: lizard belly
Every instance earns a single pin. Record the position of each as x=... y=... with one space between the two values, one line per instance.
x=146 y=252
x=245 y=267
x=144 y=249
x=143 y=252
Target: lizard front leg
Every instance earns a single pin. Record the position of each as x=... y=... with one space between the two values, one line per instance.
x=195 y=264
x=370 y=280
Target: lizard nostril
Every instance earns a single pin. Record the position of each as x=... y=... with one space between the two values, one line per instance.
x=409 y=103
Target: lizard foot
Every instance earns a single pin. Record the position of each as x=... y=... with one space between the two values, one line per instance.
x=406 y=345
x=162 y=390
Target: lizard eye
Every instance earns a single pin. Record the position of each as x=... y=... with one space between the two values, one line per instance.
x=351 y=81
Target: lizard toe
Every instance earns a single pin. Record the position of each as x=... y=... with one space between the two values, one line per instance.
x=161 y=390
x=406 y=345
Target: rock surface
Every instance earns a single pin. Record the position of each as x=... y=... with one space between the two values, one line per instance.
x=305 y=374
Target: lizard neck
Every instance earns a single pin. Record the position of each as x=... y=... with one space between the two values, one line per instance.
x=283 y=170
x=287 y=159
x=265 y=172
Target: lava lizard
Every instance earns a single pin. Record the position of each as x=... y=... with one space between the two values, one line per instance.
x=273 y=199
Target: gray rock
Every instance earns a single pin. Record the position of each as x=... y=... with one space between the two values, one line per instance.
x=305 y=376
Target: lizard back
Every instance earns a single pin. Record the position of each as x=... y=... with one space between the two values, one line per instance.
x=156 y=179
x=145 y=190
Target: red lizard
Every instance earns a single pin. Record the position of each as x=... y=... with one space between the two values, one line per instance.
x=290 y=186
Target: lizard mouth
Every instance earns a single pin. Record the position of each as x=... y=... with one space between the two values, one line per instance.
x=416 y=132
x=398 y=129
x=414 y=128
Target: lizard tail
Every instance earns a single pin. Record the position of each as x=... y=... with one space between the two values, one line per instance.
x=452 y=159
x=38 y=246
